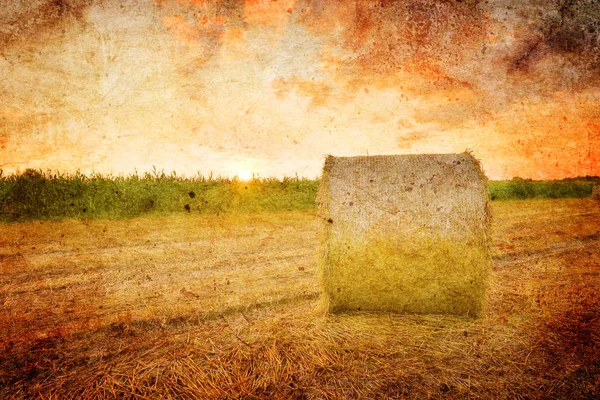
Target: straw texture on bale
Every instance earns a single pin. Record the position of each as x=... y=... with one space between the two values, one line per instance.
x=404 y=233
x=596 y=192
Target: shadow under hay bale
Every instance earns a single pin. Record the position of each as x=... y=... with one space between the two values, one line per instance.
x=404 y=233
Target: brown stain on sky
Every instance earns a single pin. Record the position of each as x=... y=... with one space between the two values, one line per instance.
x=274 y=86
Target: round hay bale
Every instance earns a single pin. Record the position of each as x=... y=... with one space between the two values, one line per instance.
x=404 y=233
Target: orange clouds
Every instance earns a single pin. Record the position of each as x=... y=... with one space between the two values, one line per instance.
x=548 y=140
x=285 y=81
x=194 y=20
x=11 y=115
x=235 y=39
x=268 y=12
x=184 y=31
x=320 y=92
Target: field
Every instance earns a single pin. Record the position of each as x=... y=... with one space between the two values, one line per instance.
x=225 y=306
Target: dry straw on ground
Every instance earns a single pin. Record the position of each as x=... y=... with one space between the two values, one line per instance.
x=95 y=310
x=405 y=233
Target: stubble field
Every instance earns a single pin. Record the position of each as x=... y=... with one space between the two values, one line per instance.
x=208 y=306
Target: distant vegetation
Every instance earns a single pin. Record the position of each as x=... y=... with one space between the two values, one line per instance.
x=518 y=188
x=36 y=194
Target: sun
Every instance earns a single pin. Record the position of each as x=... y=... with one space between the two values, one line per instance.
x=245 y=175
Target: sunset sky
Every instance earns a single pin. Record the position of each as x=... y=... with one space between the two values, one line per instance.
x=273 y=86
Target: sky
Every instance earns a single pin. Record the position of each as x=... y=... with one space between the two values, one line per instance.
x=274 y=86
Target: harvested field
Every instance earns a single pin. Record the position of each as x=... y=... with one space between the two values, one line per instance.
x=205 y=306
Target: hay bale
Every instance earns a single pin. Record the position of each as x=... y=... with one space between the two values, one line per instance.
x=404 y=233
x=596 y=192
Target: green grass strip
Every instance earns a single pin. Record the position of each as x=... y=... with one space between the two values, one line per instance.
x=35 y=194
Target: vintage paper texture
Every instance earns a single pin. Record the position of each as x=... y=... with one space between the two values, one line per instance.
x=274 y=86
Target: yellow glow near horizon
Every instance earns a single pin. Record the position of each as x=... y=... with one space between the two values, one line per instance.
x=244 y=175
